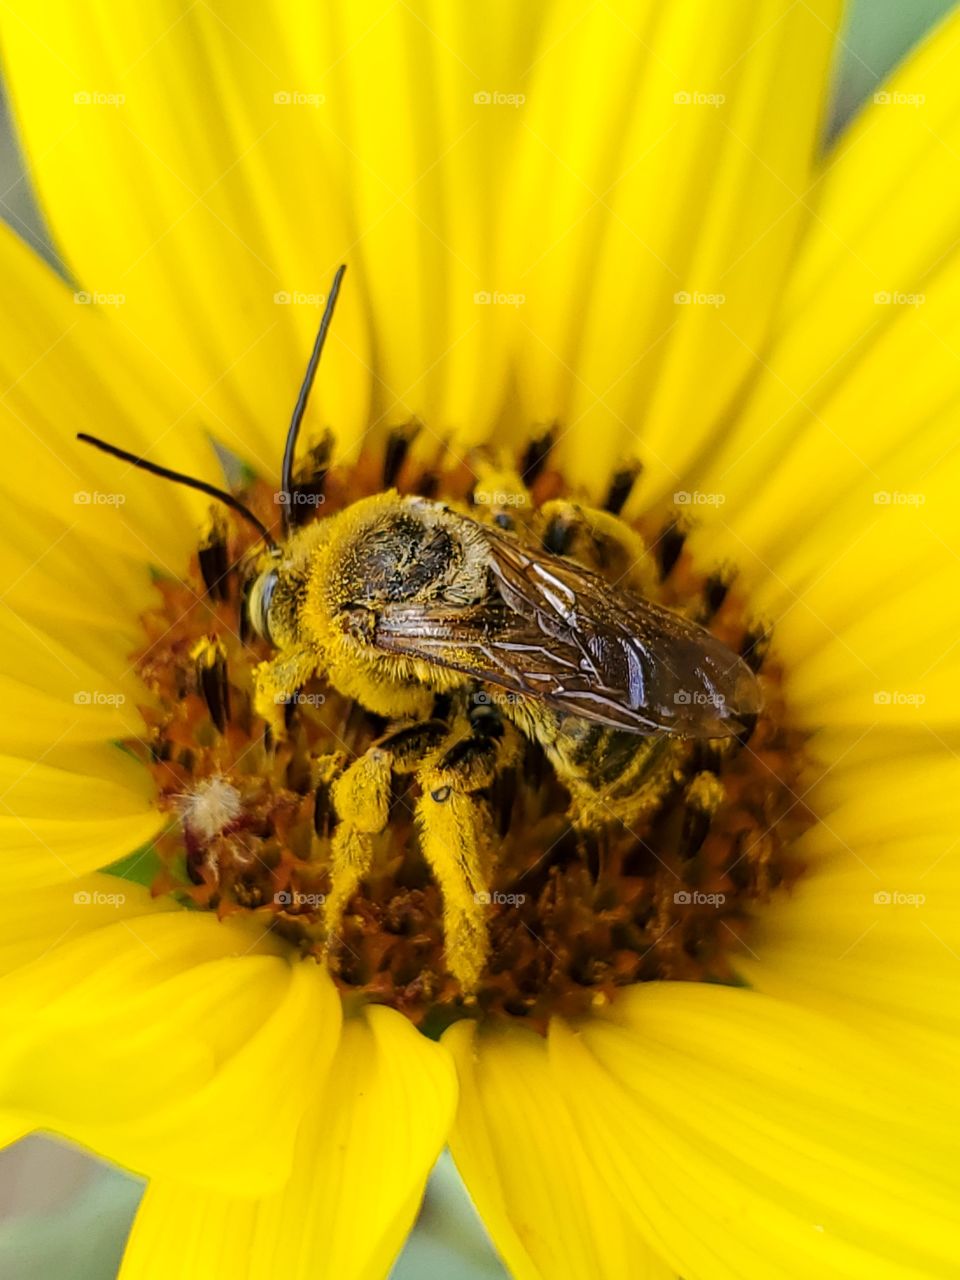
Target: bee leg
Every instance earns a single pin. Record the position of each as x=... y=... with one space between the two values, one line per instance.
x=361 y=801
x=457 y=832
x=277 y=680
x=599 y=540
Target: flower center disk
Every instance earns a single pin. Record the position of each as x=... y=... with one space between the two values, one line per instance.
x=573 y=909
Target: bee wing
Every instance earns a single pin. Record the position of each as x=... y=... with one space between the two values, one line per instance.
x=560 y=633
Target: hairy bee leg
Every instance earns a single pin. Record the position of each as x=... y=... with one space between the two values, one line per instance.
x=361 y=801
x=361 y=798
x=456 y=835
x=455 y=838
x=277 y=680
x=600 y=540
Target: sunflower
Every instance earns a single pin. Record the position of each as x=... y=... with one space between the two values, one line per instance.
x=610 y=230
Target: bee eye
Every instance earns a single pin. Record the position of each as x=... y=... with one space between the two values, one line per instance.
x=258 y=602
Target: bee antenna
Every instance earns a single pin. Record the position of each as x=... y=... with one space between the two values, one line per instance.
x=179 y=478
x=286 y=475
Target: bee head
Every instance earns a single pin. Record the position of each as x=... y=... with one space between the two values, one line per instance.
x=276 y=582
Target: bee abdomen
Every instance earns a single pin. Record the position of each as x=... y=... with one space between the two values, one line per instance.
x=613 y=775
x=604 y=754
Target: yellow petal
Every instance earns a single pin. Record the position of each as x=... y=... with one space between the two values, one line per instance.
x=364 y=1149
x=56 y=823
x=425 y=177
x=68 y=366
x=221 y=238
x=69 y=693
x=519 y=1153
x=845 y=545
x=837 y=481
x=66 y=583
x=172 y=1043
x=749 y=1138
x=864 y=606
x=34 y=924
x=870 y=932
x=678 y=172
x=91 y=684
x=83 y=531
x=873 y=294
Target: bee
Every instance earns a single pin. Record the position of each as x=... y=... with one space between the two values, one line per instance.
x=406 y=604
